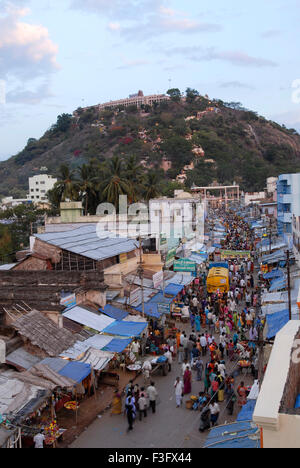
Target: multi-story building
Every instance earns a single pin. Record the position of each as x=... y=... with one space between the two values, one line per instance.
x=137 y=100
x=39 y=185
x=288 y=203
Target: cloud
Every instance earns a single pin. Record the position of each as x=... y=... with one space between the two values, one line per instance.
x=143 y=19
x=27 y=55
x=236 y=84
x=132 y=64
x=271 y=33
x=117 y=9
x=238 y=58
x=26 y=49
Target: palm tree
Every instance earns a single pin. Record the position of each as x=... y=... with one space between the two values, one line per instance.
x=151 y=189
x=66 y=186
x=115 y=185
x=134 y=174
x=87 y=184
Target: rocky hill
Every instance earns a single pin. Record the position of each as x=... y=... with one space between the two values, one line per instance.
x=223 y=142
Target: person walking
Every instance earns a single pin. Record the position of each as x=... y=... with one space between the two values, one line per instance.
x=152 y=394
x=130 y=412
x=178 y=391
x=215 y=412
x=142 y=404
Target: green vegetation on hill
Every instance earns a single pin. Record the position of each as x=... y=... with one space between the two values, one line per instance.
x=239 y=146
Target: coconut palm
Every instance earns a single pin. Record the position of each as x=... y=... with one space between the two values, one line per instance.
x=87 y=184
x=115 y=184
x=66 y=187
x=151 y=189
x=135 y=177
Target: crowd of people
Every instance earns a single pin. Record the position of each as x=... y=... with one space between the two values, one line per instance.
x=224 y=329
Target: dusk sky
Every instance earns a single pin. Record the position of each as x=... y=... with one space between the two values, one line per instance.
x=58 y=55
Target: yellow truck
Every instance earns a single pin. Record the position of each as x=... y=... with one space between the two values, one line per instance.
x=218 y=278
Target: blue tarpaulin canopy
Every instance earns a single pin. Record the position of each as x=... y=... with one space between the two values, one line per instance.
x=246 y=413
x=173 y=289
x=218 y=265
x=278 y=283
x=151 y=310
x=114 y=312
x=117 y=345
x=276 y=322
x=132 y=329
x=236 y=435
x=76 y=370
x=276 y=273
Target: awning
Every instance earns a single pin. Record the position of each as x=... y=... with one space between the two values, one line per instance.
x=278 y=284
x=242 y=434
x=174 y=289
x=77 y=371
x=246 y=413
x=114 y=312
x=276 y=273
x=88 y=318
x=276 y=322
x=97 y=359
x=117 y=345
x=130 y=329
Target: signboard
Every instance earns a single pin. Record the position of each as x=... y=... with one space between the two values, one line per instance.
x=184 y=265
x=158 y=279
x=163 y=308
x=68 y=301
x=134 y=295
x=235 y=253
x=170 y=258
x=123 y=257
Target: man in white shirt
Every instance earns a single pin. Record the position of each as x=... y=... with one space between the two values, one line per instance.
x=39 y=440
x=152 y=394
x=135 y=347
x=203 y=343
x=178 y=391
x=168 y=355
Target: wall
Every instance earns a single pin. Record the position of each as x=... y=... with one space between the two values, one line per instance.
x=152 y=262
x=287 y=436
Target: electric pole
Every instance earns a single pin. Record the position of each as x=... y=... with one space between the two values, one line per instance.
x=289 y=283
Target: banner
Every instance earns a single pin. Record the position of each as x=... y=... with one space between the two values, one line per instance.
x=170 y=258
x=184 y=265
x=158 y=279
x=235 y=253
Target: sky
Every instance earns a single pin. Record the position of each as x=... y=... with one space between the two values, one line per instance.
x=58 y=55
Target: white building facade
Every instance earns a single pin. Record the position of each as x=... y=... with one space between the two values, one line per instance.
x=39 y=185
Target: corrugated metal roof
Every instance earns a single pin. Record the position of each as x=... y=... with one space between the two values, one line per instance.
x=89 y=242
x=97 y=359
x=89 y=319
x=21 y=358
x=8 y=266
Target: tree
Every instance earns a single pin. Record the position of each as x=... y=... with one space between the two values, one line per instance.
x=174 y=94
x=134 y=173
x=115 y=185
x=191 y=95
x=66 y=186
x=151 y=187
x=63 y=123
x=87 y=184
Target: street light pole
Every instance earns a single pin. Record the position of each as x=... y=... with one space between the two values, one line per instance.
x=289 y=284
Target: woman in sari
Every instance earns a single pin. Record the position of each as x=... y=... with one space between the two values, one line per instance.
x=242 y=394
x=198 y=323
x=116 y=406
x=187 y=380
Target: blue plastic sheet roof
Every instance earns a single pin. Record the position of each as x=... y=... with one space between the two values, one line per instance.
x=117 y=345
x=276 y=322
x=76 y=370
x=246 y=413
x=236 y=435
x=278 y=283
x=151 y=310
x=159 y=298
x=174 y=289
x=276 y=273
x=132 y=329
x=114 y=312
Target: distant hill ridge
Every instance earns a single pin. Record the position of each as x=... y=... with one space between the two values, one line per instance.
x=238 y=144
